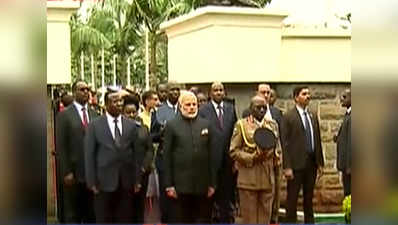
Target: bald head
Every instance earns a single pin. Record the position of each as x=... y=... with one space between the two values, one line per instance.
x=188 y=104
x=258 y=107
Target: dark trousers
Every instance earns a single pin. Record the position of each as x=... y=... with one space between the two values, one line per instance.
x=139 y=201
x=225 y=196
x=347 y=184
x=166 y=204
x=192 y=209
x=302 y=178
x=114 y=207
x=78 y=204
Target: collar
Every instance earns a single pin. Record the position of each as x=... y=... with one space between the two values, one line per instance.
x=79 y=106
x=171 y=105
x=301 y=110
x=349 y=110
x=112 y=119
x=216 y=104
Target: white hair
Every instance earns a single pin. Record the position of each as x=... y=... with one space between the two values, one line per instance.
x=184 y=95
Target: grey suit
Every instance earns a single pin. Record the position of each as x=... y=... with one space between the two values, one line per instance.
x=344 y=152
x=113 y=170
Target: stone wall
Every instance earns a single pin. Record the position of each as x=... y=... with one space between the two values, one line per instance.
x=325 y=103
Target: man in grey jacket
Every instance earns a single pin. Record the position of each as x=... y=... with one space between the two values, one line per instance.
x=111 y=163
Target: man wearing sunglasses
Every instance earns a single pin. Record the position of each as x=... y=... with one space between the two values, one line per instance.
x=70 y=131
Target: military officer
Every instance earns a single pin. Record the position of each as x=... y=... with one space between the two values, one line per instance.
x=255 y=165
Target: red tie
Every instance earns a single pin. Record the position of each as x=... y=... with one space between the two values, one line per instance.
x=85 y=120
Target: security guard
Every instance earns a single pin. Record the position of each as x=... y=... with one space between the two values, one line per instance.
x=254 y=152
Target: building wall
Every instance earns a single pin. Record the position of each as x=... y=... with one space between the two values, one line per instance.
x=325 y=102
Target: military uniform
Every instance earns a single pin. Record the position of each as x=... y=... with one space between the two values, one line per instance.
x=256 y=177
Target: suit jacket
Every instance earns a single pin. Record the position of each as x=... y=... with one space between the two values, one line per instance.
x=70 y=141
x=222 y=136
x=188 y=159
x=105 y=163
x=144 y=148
x=344 y=144
x=159 y=119
x=294 y=141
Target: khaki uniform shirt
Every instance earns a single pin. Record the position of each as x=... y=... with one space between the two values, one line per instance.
x=253 y=174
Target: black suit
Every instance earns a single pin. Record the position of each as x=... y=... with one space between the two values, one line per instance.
x=225 y=195
x=70 y=132
x=304 y=164
x=112 y=169
x=189 y=167
x=344 y=152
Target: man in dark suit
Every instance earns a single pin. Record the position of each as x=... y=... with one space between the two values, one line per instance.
x=165 y=113
x=222 y=116
x=189 y=163
x=70 y=131
x=111 y=163
x=343 y=140
x=302 y=154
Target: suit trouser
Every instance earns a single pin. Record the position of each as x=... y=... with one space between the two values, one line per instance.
x=192 y=209
x=277 y=197
x=256 y=206
x=166 y=204
x=78 y=204
x=225 y=199
x=139 y=201
x=347 y=184
x=114 y=207
x=302 y=178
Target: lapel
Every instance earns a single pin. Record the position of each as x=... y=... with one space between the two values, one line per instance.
x=107 y=129
x=76 y=114
x=214 y=113
x=298 y=119
x=124 y=129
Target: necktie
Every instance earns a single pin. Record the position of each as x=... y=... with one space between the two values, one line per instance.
x=174 y=109
x=220 y=116
x=308 y=133
x=117 y=134
x=85 y=119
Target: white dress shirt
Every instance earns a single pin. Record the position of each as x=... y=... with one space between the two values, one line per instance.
x=268 y=113
x=349 y=110
x=171 y=106
x=301 y=112
x=79 y=110
x=111 y=123
x=216 y=107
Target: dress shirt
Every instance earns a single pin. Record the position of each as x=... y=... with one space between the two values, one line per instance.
x=171 y=106
x=215 y=105
x=111 y=123
x=79 y=110
x=301 y=112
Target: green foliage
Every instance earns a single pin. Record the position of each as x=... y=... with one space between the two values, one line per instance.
x=347 y=208
x=118 y=27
